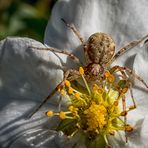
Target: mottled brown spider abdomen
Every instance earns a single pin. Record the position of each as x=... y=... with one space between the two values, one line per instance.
x=100 y=48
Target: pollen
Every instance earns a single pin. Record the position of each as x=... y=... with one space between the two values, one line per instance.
x=67 y=83
x=95 y=115
x=49 y=113
x=62 y=115
x=81 y=71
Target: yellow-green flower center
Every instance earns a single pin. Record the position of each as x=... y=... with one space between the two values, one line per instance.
x=95 y=116
x=94 y=110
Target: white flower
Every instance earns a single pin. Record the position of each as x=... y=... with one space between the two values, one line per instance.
x=27 y=76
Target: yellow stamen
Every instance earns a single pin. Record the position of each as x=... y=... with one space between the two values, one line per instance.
x=81 y=71
x=77 y=95
x=95 y=87
x=116 y=103
x=59 y=89
x=98 y=89
x=49 y=113
x=70 y=90
x=67 y=83
x=62 y=115
x=107 y=74
x=62 y=92
x=73 y=110
x=111 y=78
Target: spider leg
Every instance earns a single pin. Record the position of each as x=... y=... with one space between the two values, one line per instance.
x=61 y=84
x=130 y=88
x=132 y=96
x=72 y=56
x=128 y=47
x=124 y=110
x=75 y=31
x=129 y=85
x=130 y=72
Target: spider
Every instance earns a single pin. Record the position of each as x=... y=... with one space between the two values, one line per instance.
x=99 y=52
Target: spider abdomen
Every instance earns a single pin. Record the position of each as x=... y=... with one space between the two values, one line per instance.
x=100 y=48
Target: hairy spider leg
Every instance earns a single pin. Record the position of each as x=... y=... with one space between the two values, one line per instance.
x=72 y=56
x=130 y=72
x=60 y=85
x=75 y=31
x=127 y=47
x=129 y=85
x=125 y=77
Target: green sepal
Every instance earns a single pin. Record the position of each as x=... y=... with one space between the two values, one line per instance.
x=98 y=142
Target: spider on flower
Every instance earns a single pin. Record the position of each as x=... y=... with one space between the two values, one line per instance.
x=89 y=113
x=99 y=52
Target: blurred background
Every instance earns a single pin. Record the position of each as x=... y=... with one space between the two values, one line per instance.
x=24 y=18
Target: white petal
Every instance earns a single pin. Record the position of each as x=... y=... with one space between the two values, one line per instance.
x=140 y=67
x=117 y=18
x=26 y=77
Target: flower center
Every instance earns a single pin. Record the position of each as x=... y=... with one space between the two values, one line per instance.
x=95 y=116
x=94 y=110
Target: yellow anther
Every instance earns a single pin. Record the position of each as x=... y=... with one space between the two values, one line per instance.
x=62 y=92
x=67 y=83
x=49 y=113
x=70 y=90
x=107 y=74
x=77 y=95
x=100 y=90
x=129 y=128
x=95 y=87
x=116 y=103
x=81 y=71
x=59 y=89
x=124 y=90
x=71 y=108
x=62 y=115
x=111 y=78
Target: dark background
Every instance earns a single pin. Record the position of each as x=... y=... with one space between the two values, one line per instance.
x=24 y=18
